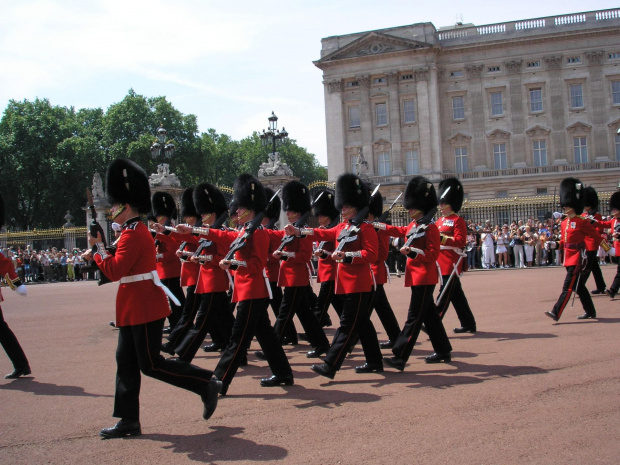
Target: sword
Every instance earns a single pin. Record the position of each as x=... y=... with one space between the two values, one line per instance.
x=445 y=288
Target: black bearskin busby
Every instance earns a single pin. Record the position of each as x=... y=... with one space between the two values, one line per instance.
x=163 y=205
x=614 y=201
x=273 y=212
x=324 y=206
x=209 y=199
x=376 y=204
x=420 y=195
x=249 y=193
x=1 y=210
x=295 y=197
x=451 y=193
x=571 y=194
x=187 y=204
x=590 y=199
x=126 y=182
x=352 y=191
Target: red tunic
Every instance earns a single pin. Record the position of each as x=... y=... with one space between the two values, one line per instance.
x=453 y=233
x=212 y=278
x=421 y=270
x=273 y=264
x=137 y=302
x=294 y=270
x=250 y=280
x=355 y=276
x=189 y=269
x=7 y=271
x=590 y=245
x=574 y=232
x=328 y=268
x=379 y=268
x=168 y=264
x=611 y=224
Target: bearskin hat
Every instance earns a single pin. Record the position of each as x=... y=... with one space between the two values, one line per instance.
x=187 y=203
x=324 y=206
x=295 y=197
x=571 y=194
x=420 y=195
x=1 y=210
x=126 y=182
x=614 y=201
x=163 y=204
x=590 y=199
x=351 y=190
x=451 y=193
x=249 y=193
x=273 y=212
x=209 y=199
x=376 y=204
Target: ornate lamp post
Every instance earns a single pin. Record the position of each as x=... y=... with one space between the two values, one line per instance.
x=273 y=136
x=160 y=145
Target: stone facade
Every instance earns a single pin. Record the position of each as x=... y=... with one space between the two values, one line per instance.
x=509 y=108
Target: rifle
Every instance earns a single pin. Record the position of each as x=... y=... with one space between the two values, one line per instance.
x=240 y=241
x=418 y=231
x=94 y=229
x=350 y=234
x=385 y=214
x=204 y=243
x=298 y=224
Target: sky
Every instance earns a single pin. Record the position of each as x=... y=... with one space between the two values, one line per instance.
x=230 y=63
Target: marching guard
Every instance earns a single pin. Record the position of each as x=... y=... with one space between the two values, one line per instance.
x=590 y=212
x=614 y=224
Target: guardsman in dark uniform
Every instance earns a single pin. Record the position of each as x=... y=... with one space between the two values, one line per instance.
x=9 y=342
x=189 y=275
x=168 y=264
x=251 y=291
x=214 y=315
x=380 y=302
x=272 y=214
x=614 y=225
x=590 y=213
x=420 y=275
x=328 y=217
x=574 y=230
x=453 y=234
x=294 y=274
x=354 y=281
x=141 y=305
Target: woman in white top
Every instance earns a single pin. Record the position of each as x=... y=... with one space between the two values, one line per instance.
x=502 y=238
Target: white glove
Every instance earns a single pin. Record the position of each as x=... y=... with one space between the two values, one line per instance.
x=22 y=290
x=557 y=215
x=612 y=252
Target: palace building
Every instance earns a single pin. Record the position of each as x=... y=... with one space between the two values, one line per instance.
x=511 y=109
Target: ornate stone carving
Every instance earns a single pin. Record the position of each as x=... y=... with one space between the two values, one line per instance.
x=392 y=77
x=498 y=134
x=441 y=73
x=163 y=177
x=538 y=131
x=579 y=127
x=460 y=139
x=595 y=57
x=375 y=48
x=274 y=167
x=421 y=74
x=513 y=66
x=554 y=62
x=334 y=86
x=97 y=188
x=474 y=71
x=364 y=81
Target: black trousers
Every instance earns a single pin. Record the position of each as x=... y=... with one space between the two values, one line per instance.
x=422 y=310
x=327 y=297
x=11 y=345
x=615 y=285
x=174 y=284
x=384 y=310
x=455 y=295
x=190 y=308
x=138 y=351
x=354 y=321
x=295 y=300
x=290 y=333
x=572 y=276
x=213 y=315
x=594 y=268
x=252 y=320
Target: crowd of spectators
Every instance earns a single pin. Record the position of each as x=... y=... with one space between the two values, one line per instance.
x=50 y=265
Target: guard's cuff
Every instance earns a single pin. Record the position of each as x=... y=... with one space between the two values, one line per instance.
x=349 y=256
x=306 y=232
x=237 y=263
x=288 y=254
x=378 y=225
x=99 y=248
x=13 y=283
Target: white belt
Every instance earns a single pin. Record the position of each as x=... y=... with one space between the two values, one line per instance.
x=458 y=250
x=155 y=278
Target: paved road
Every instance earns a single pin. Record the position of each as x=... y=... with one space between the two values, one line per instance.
x=523 y=390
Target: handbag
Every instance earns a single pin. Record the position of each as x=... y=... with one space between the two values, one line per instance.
x=512 y=242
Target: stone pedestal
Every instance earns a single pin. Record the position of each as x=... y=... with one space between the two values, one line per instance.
x=277 y=182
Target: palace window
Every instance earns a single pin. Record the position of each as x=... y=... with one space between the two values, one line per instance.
x=533 y=64
x=353 y=84
x=354 y=164
x=541 y=191
x=580 y=149
x=573 y=60
x=536 y=102
x=617 y=143
x=613 y=56
x=412 y=162
x=381 y=114
x=456 y=74
x=576 y=96
x=354 y=117
x=458 y=107
x=380 y=80
x=539 y=147
x=460 y=157
x=499 y=156
x=408 y=111
x=497 y=106
x=615 y=92
x=493 y=69
x=384 y=164
x=406 y=77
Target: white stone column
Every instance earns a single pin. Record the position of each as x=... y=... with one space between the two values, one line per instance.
x=425 y=109
x=435 y=121
x=395 y=126
x=367 y=123
x=335 y=122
